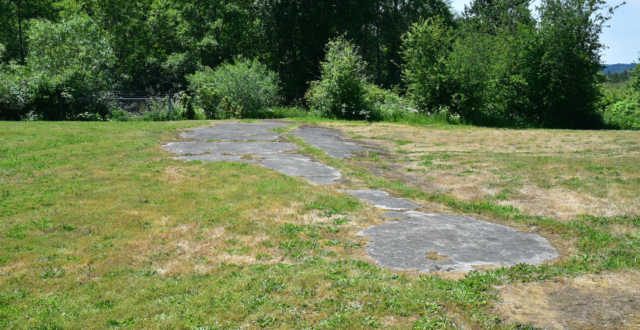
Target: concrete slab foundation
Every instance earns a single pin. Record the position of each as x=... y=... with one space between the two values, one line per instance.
x=381 y=199
x=235 y=148
x=422 y=241
x=236 y=131
x=444 y=242
x=329 y=142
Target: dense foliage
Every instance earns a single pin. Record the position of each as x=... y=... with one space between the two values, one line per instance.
x=623 y=106
x=233 y=90
x=496 y=63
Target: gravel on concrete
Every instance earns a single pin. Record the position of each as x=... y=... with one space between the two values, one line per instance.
x=329 y=142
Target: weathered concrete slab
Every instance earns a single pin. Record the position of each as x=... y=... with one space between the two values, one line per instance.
x=302 y=166
x=328 y=141
x=443 y=242
x=238 y=148
x=236 y=131
x=381 y=199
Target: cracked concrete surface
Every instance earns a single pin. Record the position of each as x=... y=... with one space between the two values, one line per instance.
x=228 y=148
x=381 y=199
x=329 y=142
x=237 y=131
x=461 y=243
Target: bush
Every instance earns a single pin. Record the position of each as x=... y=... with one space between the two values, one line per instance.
x=119 y=115
x=18 y=91
x=239 y=89
x=624 y=114
x=342 y=90
x=425 y=50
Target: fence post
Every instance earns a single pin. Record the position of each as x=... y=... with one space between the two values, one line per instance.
x=170 y=106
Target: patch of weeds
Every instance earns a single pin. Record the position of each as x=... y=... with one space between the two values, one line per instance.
x=266 y=321
x=149 y=273
x=263 y=257
x=370 y=323
x=384 y=167
x=574 y=183
x=334 y=205
x=433 y=323
x=285 y=129
x=426 y=163
x=47 y=326
x=17 y=232
x=106 y=304
x=352 y=245
x=341 y=221
x=242 y=250
x=444 y=167
x=291 y=230
x=505 y=194
x=403 y=142
x=42 y=224
x=224 y=209
x=125 y=323
x=332 y=242
x=270 y=285
x=233 y=241
x=159 y=202
x=333 y=230
x=53 y=273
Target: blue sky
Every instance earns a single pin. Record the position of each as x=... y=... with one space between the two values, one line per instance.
x=622 y=37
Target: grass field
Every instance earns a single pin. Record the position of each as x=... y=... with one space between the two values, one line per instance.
x=101 y=229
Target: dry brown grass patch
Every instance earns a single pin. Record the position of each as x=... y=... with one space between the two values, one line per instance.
x=609 y=301
x=472 y=171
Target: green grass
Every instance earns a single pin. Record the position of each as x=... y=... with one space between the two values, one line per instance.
x=101 y=229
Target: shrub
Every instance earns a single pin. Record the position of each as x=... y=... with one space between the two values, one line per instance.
x=245 y=87
x=425 y=50
x=386 y=105
x=624 y=114
x=18 y=90
x=342 y=90
x=189 y=112
x=119 y=115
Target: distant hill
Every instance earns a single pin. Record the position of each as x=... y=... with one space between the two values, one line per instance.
x=619 y=68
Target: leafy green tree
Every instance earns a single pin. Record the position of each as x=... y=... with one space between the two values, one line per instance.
x=15 y=16
x=564 y=62
x=635 y=79
x=74 y=57
x=426 y=48
x=342 y=90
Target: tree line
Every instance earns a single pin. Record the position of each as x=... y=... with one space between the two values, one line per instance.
x=496 y=62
